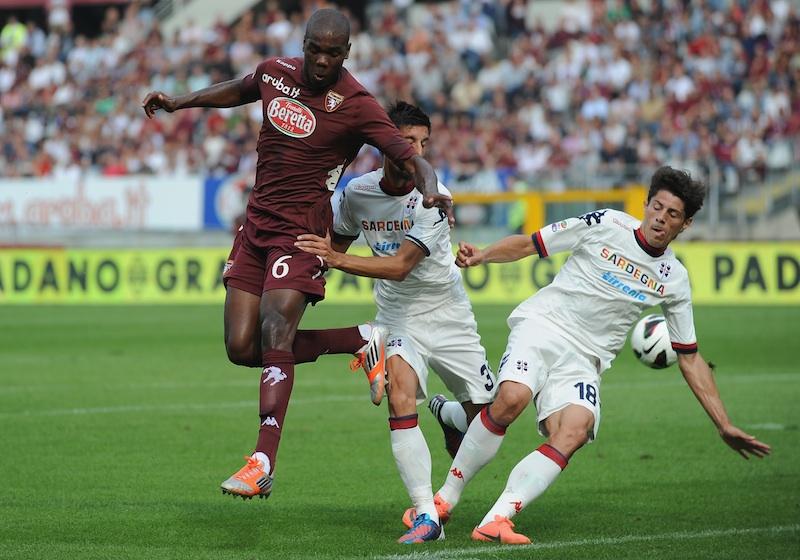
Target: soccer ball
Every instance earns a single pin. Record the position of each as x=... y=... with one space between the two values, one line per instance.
x=651 y=344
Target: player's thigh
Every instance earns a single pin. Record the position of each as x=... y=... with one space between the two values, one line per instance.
x=245 y=267
x=457 y=356
x=241 y=321
x=401 y=343
x=573 y=381
x=527 y=358
x=402 y=388
x=290 y=268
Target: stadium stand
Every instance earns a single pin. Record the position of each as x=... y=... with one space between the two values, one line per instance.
x=524 y=95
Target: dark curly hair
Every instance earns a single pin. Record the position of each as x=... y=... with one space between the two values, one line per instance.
x=681 y=184
x=406 y=114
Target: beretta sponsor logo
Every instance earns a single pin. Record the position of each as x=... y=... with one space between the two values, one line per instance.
x=291 y=117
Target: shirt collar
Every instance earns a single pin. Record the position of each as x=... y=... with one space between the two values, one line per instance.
x=646 y=247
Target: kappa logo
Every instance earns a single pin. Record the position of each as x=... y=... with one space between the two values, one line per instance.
x=517 y=506
x=270 y=421
x=273 y=374
x=332 y=101
x=285 y=64
x=227 y=267
x=291 y=117
x=589 y=216
x=663 y=270
x=456 y=473
x=278 y=84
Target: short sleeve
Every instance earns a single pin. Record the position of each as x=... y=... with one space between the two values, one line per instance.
x=376 y=129
x=680 y=319
x=568 y=234
x=249 y=85
x=343 y=221
x=429 y=224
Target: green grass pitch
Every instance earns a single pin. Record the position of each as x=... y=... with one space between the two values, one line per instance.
x=119 y=423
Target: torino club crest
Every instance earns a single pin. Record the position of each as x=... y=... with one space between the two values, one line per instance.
x=332 y=101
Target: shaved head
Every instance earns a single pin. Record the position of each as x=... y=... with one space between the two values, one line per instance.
x=328 y=22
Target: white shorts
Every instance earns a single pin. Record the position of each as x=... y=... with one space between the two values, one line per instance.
x=446 y=340
x=554 y=369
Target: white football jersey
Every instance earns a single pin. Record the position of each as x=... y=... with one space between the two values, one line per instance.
x=612 y=275
x=386 y=221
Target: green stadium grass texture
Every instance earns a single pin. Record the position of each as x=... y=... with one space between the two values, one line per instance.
x=119 y=423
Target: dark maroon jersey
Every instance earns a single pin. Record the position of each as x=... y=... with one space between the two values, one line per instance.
x=307 y=140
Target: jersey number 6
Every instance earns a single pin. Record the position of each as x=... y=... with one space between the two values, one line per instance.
x=281 y=267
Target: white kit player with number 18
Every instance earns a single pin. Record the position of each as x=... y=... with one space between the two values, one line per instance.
x=423 y=309
x=566 y=335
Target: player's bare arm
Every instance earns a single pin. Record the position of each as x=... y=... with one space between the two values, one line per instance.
x=395 y=267
x=223 y=94
x=508 y=249
x=425 y=179
x=700 y=379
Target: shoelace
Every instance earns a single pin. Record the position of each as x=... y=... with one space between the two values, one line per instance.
x=252 y=463
x=357 y=362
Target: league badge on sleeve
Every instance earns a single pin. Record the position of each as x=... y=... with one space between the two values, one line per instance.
x=332 y=101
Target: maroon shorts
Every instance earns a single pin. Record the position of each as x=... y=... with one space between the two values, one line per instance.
x=272 y=265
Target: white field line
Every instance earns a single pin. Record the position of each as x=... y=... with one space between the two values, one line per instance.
x=494 y=551
x=657 y=379
x=180 y=407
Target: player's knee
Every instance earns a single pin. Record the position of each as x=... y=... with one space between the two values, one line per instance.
x=512 y=400
x=240 y=351
x=569 y=439
x=276 y=331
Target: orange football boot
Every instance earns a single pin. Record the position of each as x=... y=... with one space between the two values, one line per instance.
x=500 y=530
x=251 y=480
x=372 y=357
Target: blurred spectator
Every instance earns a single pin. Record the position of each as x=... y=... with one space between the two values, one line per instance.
x=599 y=90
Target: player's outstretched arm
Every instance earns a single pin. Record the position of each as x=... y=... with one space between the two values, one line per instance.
x=425 y=179
x=223 y=94
x=508 y=249
x=395 y=267
x=701 y=380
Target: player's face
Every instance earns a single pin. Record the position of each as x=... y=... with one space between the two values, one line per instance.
x=324 y=55
x=417 y=136
x=664 y=219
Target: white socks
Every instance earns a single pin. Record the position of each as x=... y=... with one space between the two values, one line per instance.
x=453 y=414
x=527 y=481
x=264 y=460
x=413 y=460
x=365 y=331
x=479 y=446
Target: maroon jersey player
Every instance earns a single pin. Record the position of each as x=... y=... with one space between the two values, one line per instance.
x=316 y=118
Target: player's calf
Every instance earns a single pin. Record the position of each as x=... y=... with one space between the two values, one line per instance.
x=452 y=436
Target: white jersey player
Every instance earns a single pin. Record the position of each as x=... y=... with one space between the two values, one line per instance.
x=567 y=334
x=422 y=307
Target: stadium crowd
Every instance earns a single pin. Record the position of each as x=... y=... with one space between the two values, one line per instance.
x=612 y=88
